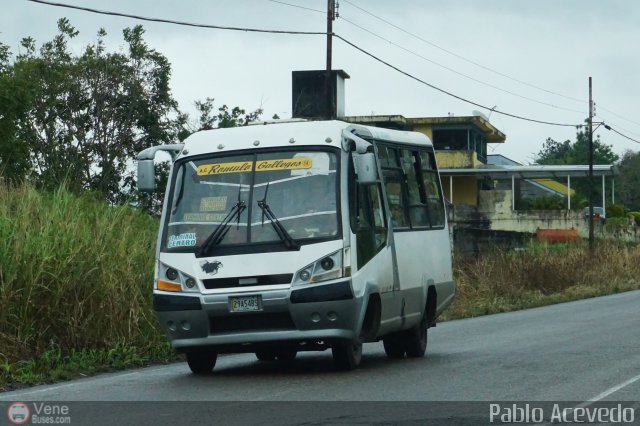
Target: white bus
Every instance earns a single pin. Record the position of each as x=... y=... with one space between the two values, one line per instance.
x=300 y=236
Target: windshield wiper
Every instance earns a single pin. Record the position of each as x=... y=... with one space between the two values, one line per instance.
x=221 y=230
x=277 y=226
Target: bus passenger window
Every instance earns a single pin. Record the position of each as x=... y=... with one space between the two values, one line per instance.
x=396 y=202
x=379 y=225
x=432 y=188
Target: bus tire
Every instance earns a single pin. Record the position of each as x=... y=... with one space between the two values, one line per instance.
x=394 y=345
x=265 y=355
x=416 y=340
x=201 y=361
x=347 y=356
x=286 y=355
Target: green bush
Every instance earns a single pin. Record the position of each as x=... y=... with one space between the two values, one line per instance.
x=543 y=202
x=616 y=224
x=615 y=210
x=636 y=215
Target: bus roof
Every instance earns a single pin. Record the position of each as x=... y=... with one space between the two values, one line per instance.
x=299 y=133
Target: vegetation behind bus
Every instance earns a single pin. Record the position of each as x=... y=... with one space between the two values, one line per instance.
x=75 y=280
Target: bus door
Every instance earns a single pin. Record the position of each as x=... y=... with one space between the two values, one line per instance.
x=375 y=254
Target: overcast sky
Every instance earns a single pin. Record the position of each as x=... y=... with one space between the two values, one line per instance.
x=554 y=45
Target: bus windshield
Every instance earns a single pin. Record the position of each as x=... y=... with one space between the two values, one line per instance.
x=287 y=197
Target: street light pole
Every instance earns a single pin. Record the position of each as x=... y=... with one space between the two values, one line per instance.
x=590 y=130
x=328 y=86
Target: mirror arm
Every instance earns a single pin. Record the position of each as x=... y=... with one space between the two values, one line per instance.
x=172 y=149
x=352 y=141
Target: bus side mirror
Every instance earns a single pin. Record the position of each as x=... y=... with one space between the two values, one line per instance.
x=366 y=169
x=146 y=176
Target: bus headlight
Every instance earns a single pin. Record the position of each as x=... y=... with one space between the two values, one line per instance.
x=327 y=268
x=171 y=279
x=171 y=274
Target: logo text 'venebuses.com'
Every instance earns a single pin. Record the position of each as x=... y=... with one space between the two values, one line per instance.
x=20 y=413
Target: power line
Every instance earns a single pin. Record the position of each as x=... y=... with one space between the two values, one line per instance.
x=306 y=33
x=621 y=134
x=485 y=67
x=462 y=57
x=298 y=6
x=170 y=21
x=446 y=92
x=457 y=72
x=604 y=119
x=617 y=115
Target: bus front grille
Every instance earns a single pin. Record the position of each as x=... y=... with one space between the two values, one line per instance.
x=216 y=283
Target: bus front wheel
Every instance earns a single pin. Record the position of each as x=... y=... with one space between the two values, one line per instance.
x=201 y=361
x=347 y=355
x=265 y=355
x=286 y=355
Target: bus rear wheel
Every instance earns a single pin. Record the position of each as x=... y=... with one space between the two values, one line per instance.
x=416 y=340
x=347 y=356
x=395 y=345
x=201 y=361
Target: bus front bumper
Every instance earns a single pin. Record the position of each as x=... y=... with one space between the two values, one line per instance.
x=308 y=317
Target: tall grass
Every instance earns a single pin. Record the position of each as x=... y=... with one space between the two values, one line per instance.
x=74 y=275
x=541 y=274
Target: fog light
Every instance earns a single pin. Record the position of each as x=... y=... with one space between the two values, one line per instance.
x=190 y=282
x=305 y=275
x=171 y=274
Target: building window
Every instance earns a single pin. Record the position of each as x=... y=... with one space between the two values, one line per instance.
x=451 y=140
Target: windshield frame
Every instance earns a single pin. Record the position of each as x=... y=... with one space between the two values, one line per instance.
x=249 y=247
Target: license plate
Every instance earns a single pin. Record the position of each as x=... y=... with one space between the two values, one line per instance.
x=245 y=304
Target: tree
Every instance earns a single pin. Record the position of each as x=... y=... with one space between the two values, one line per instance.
x=82 y=119
x=577 y=153
x=90 y=114
x=15 y=98
x=225 y=117
x=628 y=181
x=567 y=152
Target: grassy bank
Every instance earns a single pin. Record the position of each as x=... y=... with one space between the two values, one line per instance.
x=542 y=274
x=75 y=284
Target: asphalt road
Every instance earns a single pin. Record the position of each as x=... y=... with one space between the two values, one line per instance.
x=583 y=352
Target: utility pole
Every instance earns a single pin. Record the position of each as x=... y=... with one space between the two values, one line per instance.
x=590 y=130
x=328 y=86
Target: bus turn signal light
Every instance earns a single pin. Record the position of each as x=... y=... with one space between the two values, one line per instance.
x=168 y=286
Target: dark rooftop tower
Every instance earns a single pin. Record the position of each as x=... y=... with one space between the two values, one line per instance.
x=308 y=98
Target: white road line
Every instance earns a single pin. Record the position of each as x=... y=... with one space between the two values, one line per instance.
x=609 y=391
x=601 y=396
